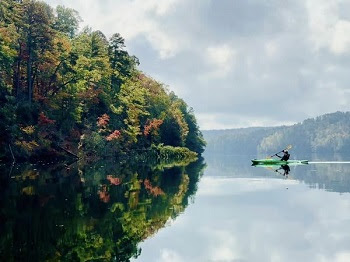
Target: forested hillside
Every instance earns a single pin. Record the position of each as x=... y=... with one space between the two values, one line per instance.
x=326 y=133
x=65 y=92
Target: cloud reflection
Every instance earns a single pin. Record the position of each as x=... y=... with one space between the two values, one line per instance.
x=257 y=220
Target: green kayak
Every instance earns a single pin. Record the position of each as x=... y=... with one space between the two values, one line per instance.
x=271 y=161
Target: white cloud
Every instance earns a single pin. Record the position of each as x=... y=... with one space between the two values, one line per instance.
x=212 y=186
x=226 y=120
x=322 y=16
x=167 y=255
x=163 y=7
x=223 y=249
x=131 y=19
x=271 y=49
x=342 y=257
x=327 y=28
x=221 y=58
x=341 y=39
x=210 y=121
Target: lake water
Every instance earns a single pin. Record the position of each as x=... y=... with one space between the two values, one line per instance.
x=220 y=209
x=245 y=213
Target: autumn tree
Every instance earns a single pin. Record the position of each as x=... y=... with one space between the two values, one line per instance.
x=66 y=21
x=60 y=83
x=38 y=38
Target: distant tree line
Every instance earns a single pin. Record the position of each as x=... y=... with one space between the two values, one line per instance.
x=65 y=91
x=329 y=133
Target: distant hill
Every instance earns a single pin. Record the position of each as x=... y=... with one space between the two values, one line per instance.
x=329 y=133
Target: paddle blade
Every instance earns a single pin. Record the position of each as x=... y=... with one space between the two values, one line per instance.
x=288 y=147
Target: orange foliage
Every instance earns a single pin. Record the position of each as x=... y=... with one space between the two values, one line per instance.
x=115 y=135
x=104 y=195
x=103 y=121
x=154 y=190
x=91 y=94
x=40 y=98
x=152 y=125
x=114 y=180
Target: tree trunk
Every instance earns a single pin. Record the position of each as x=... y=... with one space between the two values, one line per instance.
x=29 y=68
x=17 y=74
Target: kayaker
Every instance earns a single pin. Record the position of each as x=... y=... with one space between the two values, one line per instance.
x=285 y=156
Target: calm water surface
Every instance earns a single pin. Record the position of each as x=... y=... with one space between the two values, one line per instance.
x=89 y=212
x=221 y=209
x=245 y=213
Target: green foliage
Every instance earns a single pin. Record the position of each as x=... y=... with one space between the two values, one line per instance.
x=170 y=153
x=132 y=106
x=326 y=133
x=70 y=79
x=8 y=128
x=194 y=140
x=122 y=64
x=66 y=21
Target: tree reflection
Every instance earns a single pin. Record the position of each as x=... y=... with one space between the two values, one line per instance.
x=89 y=212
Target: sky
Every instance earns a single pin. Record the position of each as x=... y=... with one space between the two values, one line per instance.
x=237 y=63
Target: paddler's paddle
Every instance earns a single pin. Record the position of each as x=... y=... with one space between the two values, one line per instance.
x=287 y=148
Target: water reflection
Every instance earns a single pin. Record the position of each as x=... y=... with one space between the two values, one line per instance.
x=329 y=172
x=285 y=170
x=94 y=212
x=245 y=213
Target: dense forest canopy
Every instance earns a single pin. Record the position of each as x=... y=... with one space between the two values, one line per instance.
x=327 y=133
x=65 y=91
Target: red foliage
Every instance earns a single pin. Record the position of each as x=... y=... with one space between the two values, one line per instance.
x=41 y=98
x=154 y=190
x=152 y=125
x=44 y=120
x=114 y=180
x=141 y=77
x=103 y=121
x=115 y=135
x=91 y=95
x=104 y=195
x=75 y=134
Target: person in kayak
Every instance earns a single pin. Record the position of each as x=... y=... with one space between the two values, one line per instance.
x=285 y=156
